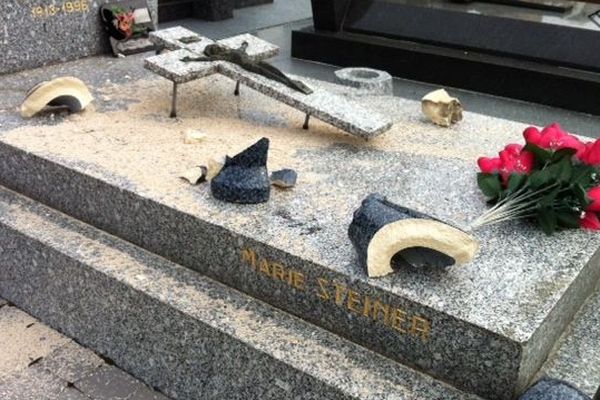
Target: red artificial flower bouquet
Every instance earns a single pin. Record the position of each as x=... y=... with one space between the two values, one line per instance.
x=553 y=179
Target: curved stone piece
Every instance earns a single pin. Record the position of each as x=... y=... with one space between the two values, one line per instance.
x=380 y=230
x=441 y=108
x=65 y=91
x=244 y=178
x=195 y=175
x=369 y=81
x=553 y=389
x=285 y=178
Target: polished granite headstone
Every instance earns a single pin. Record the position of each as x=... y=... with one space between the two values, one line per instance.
x=41 y=32
x=486 y=327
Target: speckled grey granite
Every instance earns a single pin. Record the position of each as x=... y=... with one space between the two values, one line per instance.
x=60 y=33
x=244 y=178
x=180 y=332
x=491 y=323
x=369 y=81
x=578 y=351
x=321 y=104
x=213 y=10
x=550 y=389
x=171 y=39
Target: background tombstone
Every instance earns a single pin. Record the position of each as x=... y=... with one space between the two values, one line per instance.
x=38 y=32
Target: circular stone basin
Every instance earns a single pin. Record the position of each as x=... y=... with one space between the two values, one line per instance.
x=369 y=81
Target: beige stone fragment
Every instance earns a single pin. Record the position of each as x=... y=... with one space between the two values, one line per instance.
x=193 y=136
x=215 y=165
x=67 y=91
x=194 y=175
x=408 y=233
x=441 y=108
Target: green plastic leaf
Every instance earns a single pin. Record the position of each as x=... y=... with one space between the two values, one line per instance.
x=583 y=175
x=548 y=200
x=541 y=155
x=581 y=195
x=568 y=219
x=563 y=154
x=540 y=178
x=489 y=184
x=547 y=219
x=565 y=170
x=515 y=182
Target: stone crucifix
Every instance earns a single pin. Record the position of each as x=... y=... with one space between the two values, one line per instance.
x=242 y=58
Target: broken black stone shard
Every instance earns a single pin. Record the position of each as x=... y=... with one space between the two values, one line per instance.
x=244 y=179
x=284 y=178
x=553 y=389
x=381 y=231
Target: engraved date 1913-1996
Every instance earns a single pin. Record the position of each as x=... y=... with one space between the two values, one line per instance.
x=67 y=7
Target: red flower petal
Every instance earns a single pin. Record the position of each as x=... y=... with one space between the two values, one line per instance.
x=590 y=221
x=594 y=195
x=532 y=135
x=591 y=156
x=489 y=165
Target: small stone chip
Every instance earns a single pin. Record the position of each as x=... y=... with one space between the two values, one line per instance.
x=195 y=175
x=285 y=178
x=193 y=136
x=215 y=165
x=441 y=108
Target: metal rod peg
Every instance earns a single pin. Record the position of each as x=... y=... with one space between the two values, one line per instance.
x=237 y=89
x=174 y=101
x=306 y=120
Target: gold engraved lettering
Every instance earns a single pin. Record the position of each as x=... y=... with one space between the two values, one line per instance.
x=323 y=292
x=399 y=318
x=263 y=266
x=353 y=301
x=420 y=326
x=340 y=290
x=278 y=271
x=249 y=257
x=374 y=309
x=299 y=280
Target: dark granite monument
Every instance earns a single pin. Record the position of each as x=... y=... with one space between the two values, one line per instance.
x=549 y=56
x=39 y=33
x=212 y=10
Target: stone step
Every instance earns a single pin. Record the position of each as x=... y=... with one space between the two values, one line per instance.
x=36 y=362
x=577 y=353
x=486 y=327
x=180 y=332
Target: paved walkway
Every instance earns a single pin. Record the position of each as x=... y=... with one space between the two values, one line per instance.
x=39 y=363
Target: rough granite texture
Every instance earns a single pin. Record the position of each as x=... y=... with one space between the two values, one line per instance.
x=549 y=389
x=58 y=32
x=578 y=351
x=180 y=332
x=321 y=104
x=244 y=178
x=369 y=81
x=493 y=322
x=39 y=363
x=171 y=39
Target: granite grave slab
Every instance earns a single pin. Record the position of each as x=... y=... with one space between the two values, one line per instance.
x=486 y=327
x=321 y=104
x=38 y=32
x=182 y=333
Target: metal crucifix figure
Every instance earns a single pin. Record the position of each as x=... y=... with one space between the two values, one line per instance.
x=217 y=52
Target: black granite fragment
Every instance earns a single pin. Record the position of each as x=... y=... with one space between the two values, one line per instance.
x=376 y=212
x=284 y=178
x=244 y=178
x=553 y=389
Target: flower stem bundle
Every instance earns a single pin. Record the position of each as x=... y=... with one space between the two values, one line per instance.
x=552 y=180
